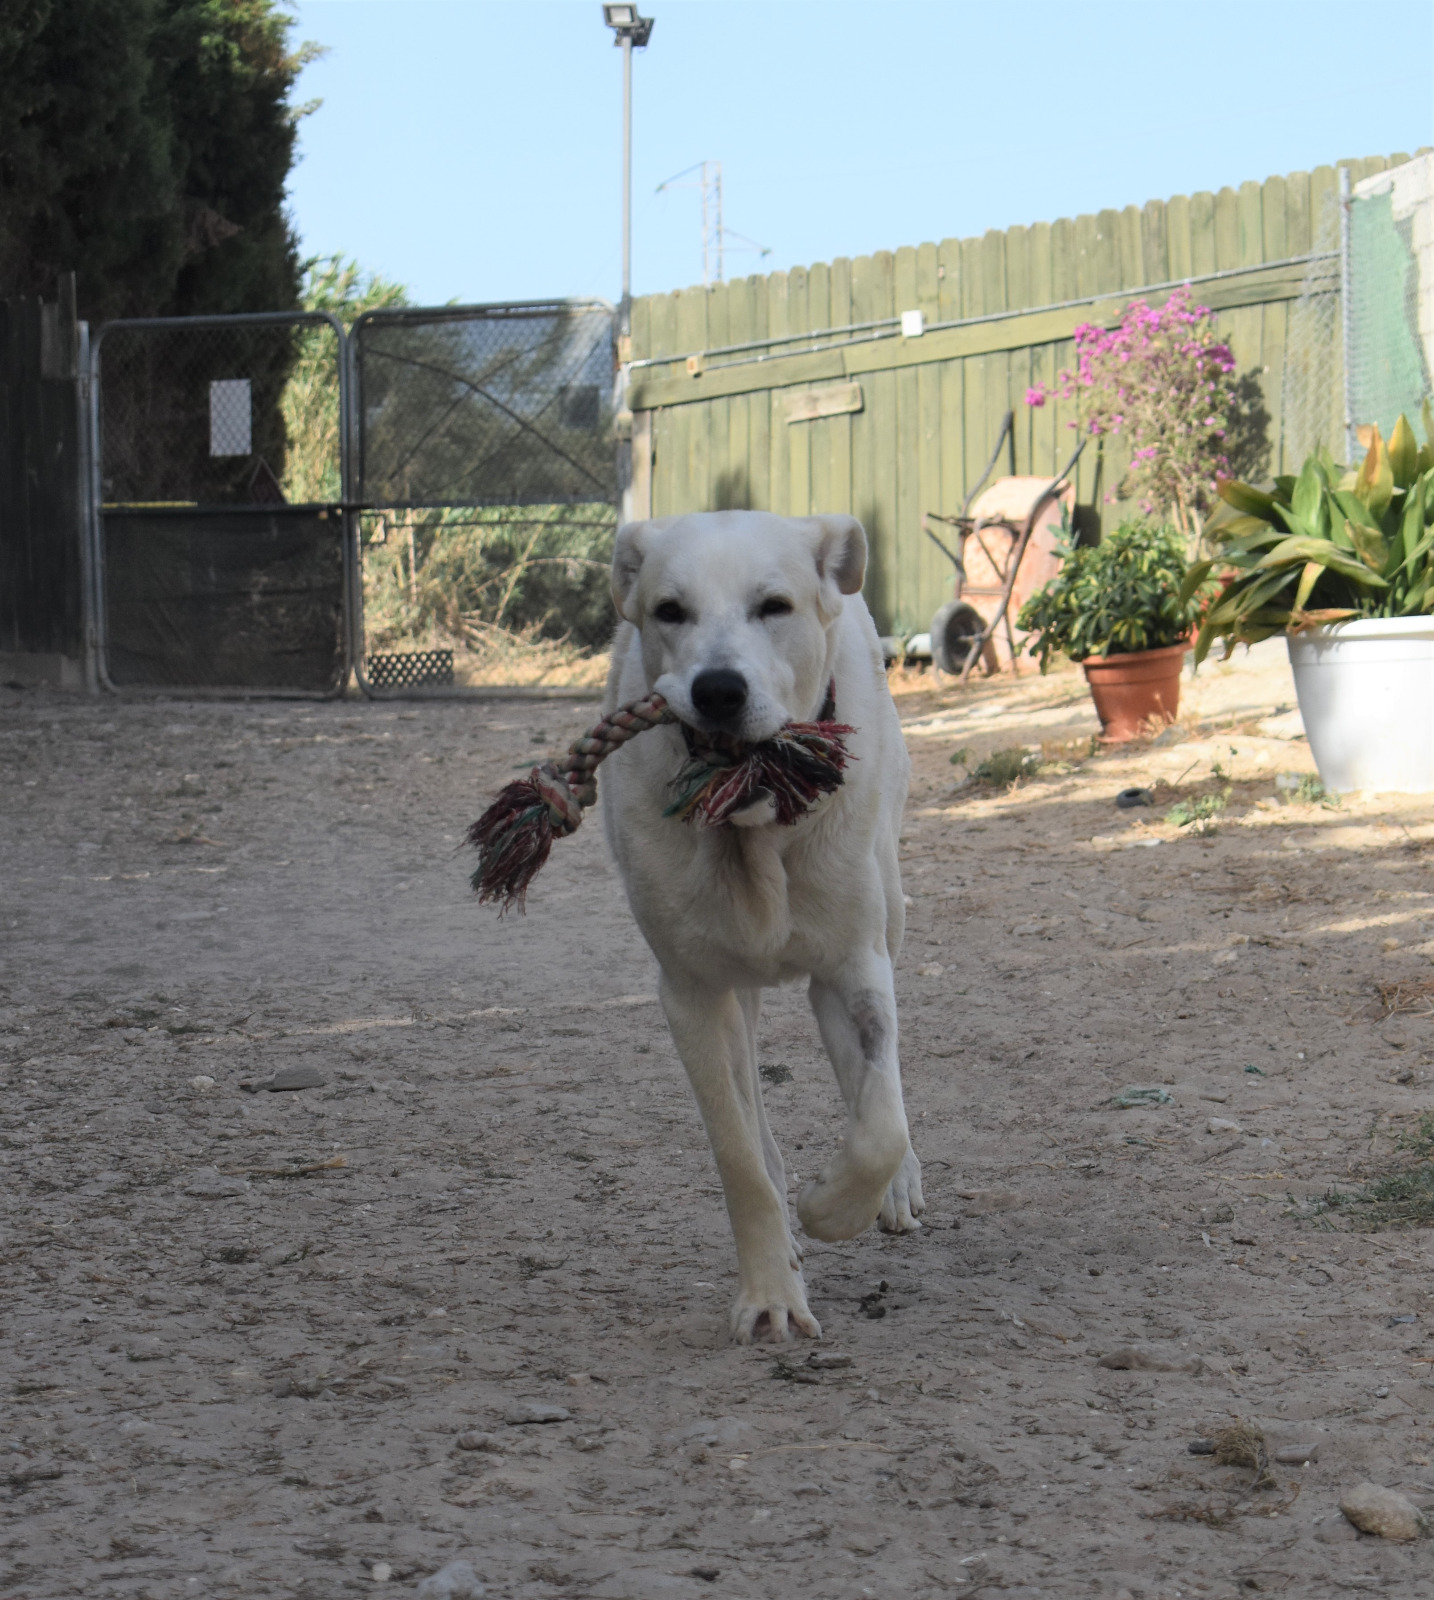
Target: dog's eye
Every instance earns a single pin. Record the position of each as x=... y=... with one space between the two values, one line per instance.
x=775 y=607
x=669 y=611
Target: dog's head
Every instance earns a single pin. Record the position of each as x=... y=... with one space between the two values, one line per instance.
x=736 y=611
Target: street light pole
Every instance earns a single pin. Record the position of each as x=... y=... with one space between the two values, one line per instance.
x=626 y=314
x=632 y=31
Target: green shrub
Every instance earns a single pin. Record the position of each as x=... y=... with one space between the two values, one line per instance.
x=1114 y=598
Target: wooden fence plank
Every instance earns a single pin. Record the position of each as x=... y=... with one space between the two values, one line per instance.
x=1128 y=249
x=799 y=440
x=1202 y=233
x=1177 y=238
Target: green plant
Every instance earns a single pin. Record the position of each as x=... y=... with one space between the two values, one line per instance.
x=1199 y=809
x=1324 y=547
x=1005 y=767
x=1122 y=595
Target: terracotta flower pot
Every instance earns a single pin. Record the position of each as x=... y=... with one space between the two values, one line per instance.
x=1131 y=691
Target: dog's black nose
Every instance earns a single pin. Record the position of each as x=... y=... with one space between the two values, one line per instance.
x=720 y=693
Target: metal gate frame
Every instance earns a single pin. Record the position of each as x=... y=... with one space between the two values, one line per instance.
x=95 y=597
x=347 y=508
x=396 y=315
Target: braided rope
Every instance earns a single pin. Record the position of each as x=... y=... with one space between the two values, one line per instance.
x=585 y=755
x=794 y=768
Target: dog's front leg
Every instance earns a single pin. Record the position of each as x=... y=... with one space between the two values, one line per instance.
x=876 y=1173
x=712 y=1037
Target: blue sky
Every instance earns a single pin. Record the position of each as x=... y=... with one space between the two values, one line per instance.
x=471 y=150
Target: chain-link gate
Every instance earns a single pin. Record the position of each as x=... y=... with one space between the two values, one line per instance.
x=221 y=468
x=485 y=464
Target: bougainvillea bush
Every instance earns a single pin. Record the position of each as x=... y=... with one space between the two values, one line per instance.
x=1165 y=379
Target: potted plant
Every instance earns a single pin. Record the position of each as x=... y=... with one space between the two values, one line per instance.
x=1121 y=608
x=1342 y=562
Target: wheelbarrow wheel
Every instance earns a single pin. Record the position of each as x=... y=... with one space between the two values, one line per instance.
x=954 y=631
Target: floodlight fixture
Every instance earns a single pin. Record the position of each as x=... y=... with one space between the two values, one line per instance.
x=629 y=26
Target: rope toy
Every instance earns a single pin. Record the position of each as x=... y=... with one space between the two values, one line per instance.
x=795 y=767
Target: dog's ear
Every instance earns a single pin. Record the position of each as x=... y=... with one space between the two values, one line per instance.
x=627 y=553
x=840 y=551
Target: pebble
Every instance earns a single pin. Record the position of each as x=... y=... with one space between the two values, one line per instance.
x=305 y=1386
x=209 y=1183
x=930 y=969
x=1297 y=1455
x=827 y=1360
x=1223 y=1125
x=203 y=1084
x=456 y=1581
x=300 y=1077
x=477 y=1441
x=381 y=1571
x=145 y=1348
x=1128 y=1359
x=1374 y=1509
x=535 y=1411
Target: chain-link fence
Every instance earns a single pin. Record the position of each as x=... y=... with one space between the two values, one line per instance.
x=1389 y=320
x=1311 y=411
x=484 y=445
x=220 y=463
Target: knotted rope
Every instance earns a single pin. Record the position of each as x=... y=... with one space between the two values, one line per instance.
x=795 y=767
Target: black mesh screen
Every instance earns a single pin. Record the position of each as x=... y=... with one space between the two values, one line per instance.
x=243 y=600
x=480 y=406
x=237 y=413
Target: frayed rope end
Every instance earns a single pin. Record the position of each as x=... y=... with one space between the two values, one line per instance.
x=515 y=834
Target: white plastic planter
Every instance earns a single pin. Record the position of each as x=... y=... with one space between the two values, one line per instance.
x=1366 y=692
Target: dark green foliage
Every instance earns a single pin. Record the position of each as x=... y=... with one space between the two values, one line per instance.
x=144 y=145
x=1113 y=598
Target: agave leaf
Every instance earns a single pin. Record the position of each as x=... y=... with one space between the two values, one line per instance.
x=1372 y=547
x=1244 y=497
x=1194 y=577
x=1308 y=578
x=1243 y=599
x=1427 y=417
x=1237 y=525
x=1425 y=459
x=1284 y=489
x=1303 y=548
x=1374 y=487
x=1403 y=453
x=1412 y=523
x=1354 y=508
x=1295 y=524
x=1307 y=502
x=1318 y=618
x=1339 y=526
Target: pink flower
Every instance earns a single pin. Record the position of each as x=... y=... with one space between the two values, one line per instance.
x=1036 y=395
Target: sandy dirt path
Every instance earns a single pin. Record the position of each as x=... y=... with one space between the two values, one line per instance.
x=226 y=1376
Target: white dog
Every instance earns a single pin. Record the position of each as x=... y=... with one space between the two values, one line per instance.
x=745 y=622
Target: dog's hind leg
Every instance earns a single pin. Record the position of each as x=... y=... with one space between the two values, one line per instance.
x=713 y=1032
x=876 y=1171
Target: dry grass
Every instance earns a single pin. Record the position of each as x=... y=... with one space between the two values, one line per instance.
x=1407 y=997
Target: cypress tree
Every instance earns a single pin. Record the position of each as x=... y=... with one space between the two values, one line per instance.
x=145 y=145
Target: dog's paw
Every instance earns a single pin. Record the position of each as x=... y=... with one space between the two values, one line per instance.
x=843 y=1199
x=904 y=1201
x=773 y=1313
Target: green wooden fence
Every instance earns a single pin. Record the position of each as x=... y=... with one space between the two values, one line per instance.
x=827 y=406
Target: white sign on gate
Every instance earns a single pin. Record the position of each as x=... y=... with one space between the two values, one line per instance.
x=231 y=418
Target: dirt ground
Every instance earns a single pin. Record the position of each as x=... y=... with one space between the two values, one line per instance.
x=234 y=1367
